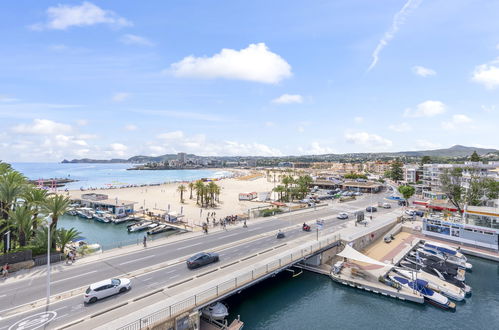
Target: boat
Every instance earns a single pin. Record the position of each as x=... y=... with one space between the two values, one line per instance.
x=430 y=295
x=102 y=216
x=434 y=283
x=443 y=276
x=449 y=258
x=443 y=267
x=122 y=219
x=85 y=212
x=143 y=225
x=72 y=212
x=443 y=248
x=159 y=229
x=216 y=311
x=83 y=247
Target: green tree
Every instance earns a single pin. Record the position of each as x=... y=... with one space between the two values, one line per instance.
x=396 y=172
x=181 y=189
x=406 y=191
x=22 y=222
x=451 y=185
x=199 y=186
x=425 y=160
x=280 y=190
x=63 y=236
x=40 y=239
x=191 y=187
x=12 y=184
x=34 y=198
x=55 y=206
x=474 y=157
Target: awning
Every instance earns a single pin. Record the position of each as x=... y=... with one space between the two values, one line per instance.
x=350 y=253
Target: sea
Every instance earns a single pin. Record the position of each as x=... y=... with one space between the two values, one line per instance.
x=314 y=302
x=107 y=175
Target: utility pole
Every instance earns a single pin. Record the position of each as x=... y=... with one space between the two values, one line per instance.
x=48 y=262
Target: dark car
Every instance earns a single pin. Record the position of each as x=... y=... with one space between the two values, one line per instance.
x=371 y=209
x=419 y=213
x=202 y=259
x=402 y=203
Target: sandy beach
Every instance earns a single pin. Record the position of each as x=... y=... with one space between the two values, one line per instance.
x=158 y=198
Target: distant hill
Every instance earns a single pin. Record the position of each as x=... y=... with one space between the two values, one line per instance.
x=456 y=151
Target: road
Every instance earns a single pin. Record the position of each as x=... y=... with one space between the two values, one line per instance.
x=231 y=245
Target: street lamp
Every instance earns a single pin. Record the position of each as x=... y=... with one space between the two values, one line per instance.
x=48 y=259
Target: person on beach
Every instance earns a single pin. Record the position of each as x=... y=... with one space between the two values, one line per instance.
x=5 y=270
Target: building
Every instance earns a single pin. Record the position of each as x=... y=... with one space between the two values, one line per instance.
x=412 y=173
x=365 y=187
x=248 y=196
x=479 y=226
x=432 y=172
x=377 y=167
x=103 y=202
x=182 y=157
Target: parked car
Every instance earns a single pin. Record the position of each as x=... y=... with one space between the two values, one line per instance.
x=419 y=213
x=386 y=205
x=342 y=215
x=402 y=203
x=201 y=259
x=388 y=238
x=371 y=209
x=410 y=213
x=103 y=289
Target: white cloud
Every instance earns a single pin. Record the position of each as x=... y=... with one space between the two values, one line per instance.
x=82 y=122
x=397 y=21
x=130 y=127
x=427 y=144
x=487 y=74
x=358 y=119
x=401 y=127
x=489 y=108
x=117 y=149
x=456 y=121
x=269 y=124
x=300 y=129
x=315 y=148
x=367 y=140
x=184 y=115
x=62 y=17
x=254 y=63
x=6 y=98
x=175 y=135
x=422 y=71
x=43 y=127
x=120 y=97
x=288 y=98
x=426 y=109
x=133 y=39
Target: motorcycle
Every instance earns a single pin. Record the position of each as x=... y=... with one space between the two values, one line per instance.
x=305 y=228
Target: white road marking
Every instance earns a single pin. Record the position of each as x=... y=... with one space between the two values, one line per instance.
x=3 y=295
x=59 y=308
x=147 y=279
x=68 y=278
x=174 y=276
x=135 y=260
x=231 y=235
x=186 y=247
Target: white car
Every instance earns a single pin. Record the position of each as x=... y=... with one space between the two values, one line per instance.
x=103 y=289
x=410 y=213
x=342 y=215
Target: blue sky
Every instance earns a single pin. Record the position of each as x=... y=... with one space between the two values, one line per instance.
x=105 y=79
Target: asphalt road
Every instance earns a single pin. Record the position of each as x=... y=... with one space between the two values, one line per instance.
x=18 y=293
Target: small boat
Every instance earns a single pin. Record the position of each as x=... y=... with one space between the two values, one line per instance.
x=430 y=296
x=442 y=267
x=83 y=247
x=85 y=212
x=102 y=216
x=443 y=248
x=449 y=258
x=122 y=219
x=216 y=311
x=139 y=226
x=434 y=283
x=159 y=229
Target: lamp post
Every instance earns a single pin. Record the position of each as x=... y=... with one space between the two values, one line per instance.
x=49 y=222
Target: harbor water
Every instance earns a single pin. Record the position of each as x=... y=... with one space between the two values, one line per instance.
x=314 y=302
x=108 y=235
x=107 y=175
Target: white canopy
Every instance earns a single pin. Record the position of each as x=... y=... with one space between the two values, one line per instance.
x=350 y=253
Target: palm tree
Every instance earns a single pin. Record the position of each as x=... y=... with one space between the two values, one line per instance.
x=23 y=223
x=279 y=190
x=199 y=186
x=41 y=238
x=64 y=236
x=12 y=184
x=181 y=189
x=34 y=199
x=56 y=206
x=191 y=187
x=212 y=190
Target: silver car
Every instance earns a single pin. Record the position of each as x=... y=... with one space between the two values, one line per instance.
x=103 y=289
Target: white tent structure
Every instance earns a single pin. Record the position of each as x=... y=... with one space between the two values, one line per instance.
x=352 y=254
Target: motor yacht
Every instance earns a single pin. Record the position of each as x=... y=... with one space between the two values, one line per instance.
x=216 y=311
x=139 y=226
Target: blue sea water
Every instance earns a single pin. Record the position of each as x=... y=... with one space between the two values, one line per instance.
x=105 y=175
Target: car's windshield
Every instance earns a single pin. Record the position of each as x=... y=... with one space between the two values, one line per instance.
x=88 y=290
x=115 y=281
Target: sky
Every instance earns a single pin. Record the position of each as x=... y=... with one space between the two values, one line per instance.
x=114 y=79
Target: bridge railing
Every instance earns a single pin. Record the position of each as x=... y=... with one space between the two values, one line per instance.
x=223 y=288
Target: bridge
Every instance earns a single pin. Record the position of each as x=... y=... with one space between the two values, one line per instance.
x=164 y=290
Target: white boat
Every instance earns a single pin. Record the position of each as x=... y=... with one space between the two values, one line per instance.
x=216 y=311
x=122 y=219
x=139 y=226
x=102 y=216
x=85 y=212
x=430 y=296
x=435 y=283
x=159 y=229
x=444 y=249
x=449 y=258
